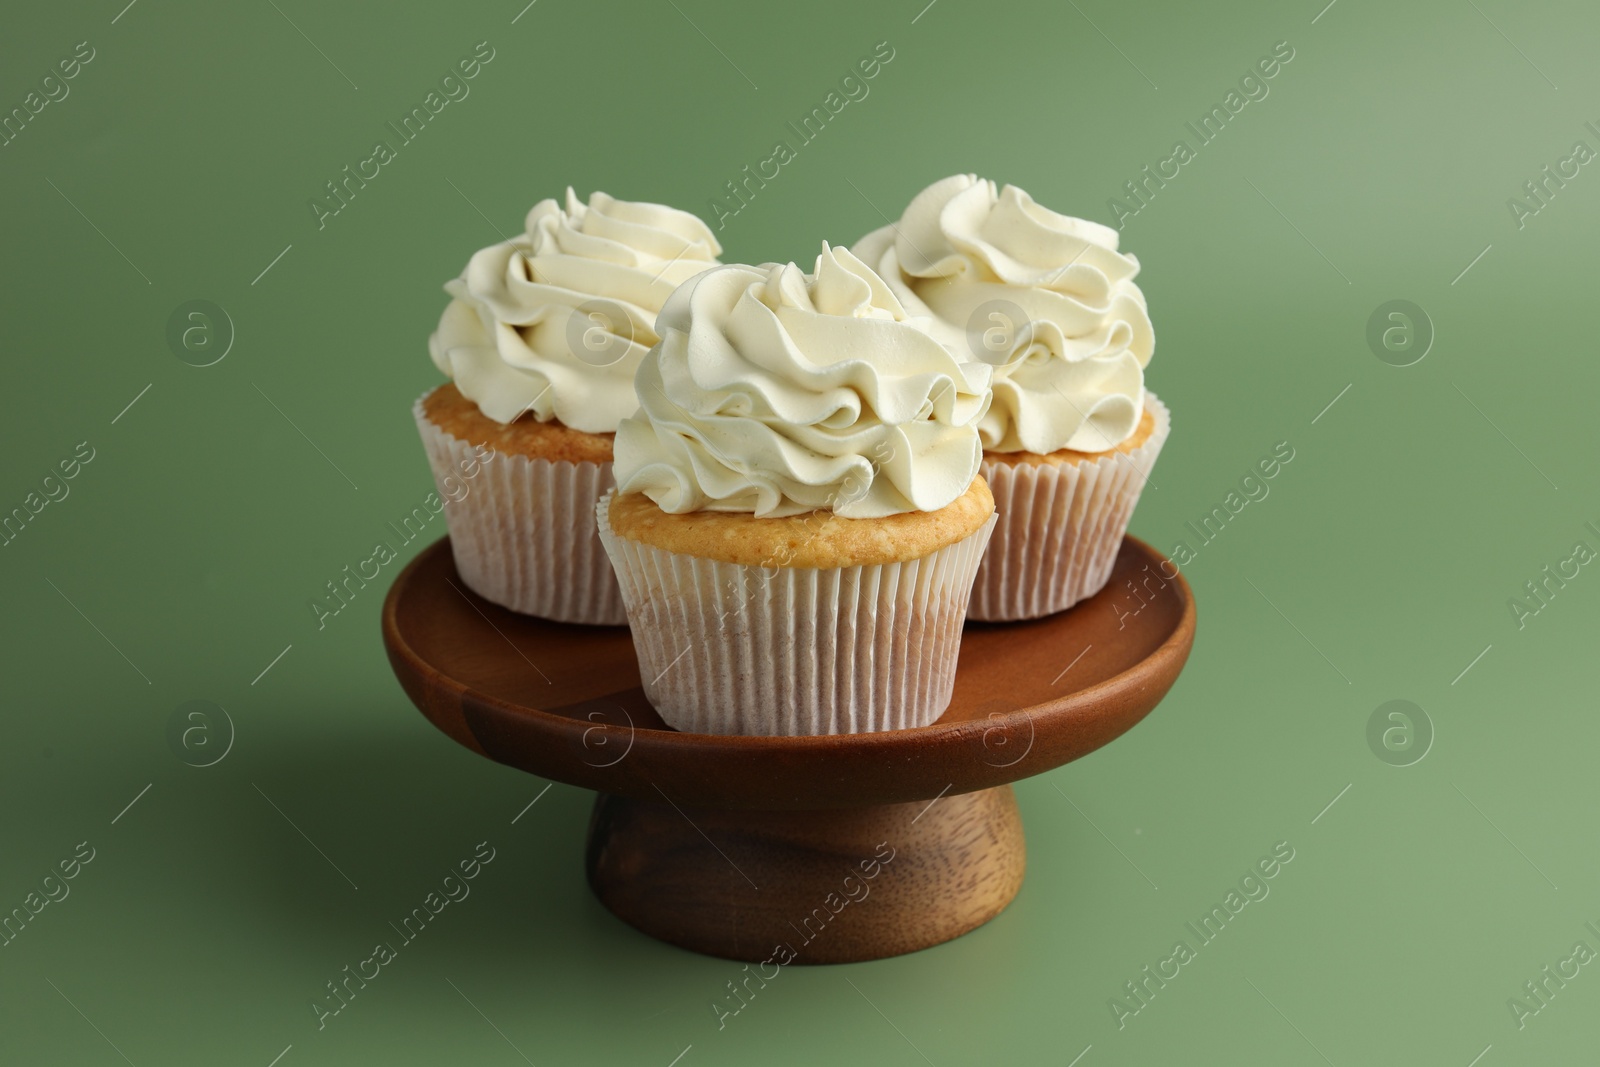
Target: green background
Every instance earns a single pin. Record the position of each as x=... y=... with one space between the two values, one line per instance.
x=1378 y=568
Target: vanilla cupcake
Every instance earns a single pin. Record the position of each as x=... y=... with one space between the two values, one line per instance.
x=1071 y=434
x=541 y=342
x=798 y=516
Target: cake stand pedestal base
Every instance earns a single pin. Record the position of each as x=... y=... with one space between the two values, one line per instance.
x=832 y=848
x=835 y=886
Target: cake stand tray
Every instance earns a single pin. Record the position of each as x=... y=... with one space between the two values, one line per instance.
x=793 y=849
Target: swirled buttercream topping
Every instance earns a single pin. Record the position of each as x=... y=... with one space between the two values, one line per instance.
x=1046 y=299
x=778 y=392
x=556 y=320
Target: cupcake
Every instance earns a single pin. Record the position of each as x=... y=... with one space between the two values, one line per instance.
x=798 y=516
x=1070 y=435
x=541 y=341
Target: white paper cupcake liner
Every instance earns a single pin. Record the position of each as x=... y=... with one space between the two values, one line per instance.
x=727 y=648
x=1060 y=526
x=523 y=529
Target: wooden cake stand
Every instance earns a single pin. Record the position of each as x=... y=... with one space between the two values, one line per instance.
x=793 y=849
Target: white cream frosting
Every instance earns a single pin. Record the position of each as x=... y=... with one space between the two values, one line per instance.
x=1045 y=298
x=556 y=320
x=778 y=392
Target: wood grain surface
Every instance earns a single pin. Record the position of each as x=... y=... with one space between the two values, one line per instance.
x=781 y=887
x=564 y=701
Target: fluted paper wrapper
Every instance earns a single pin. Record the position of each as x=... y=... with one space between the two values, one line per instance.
x=1060 y=527
x=524 y=534
x=726 y=648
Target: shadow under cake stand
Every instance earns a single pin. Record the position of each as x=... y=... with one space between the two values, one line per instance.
x=842 y=848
